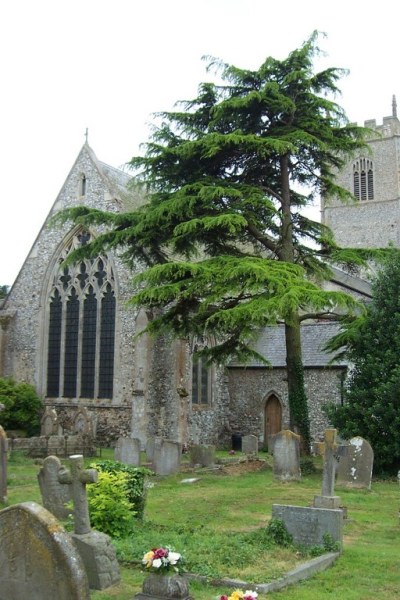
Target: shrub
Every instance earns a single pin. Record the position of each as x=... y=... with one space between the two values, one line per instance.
x=22 y=406
x=135 y=483
x=110 y=510
x=307 y=466
x=278 y=533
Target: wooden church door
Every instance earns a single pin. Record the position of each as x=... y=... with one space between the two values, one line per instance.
x=272 y=418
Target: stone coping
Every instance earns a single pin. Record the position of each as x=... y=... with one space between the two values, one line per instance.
x=304 y=571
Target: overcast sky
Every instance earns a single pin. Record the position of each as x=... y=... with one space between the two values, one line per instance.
x=107 y=65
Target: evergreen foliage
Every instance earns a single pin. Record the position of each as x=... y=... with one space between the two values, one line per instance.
x=372 y=401
x=22 y=406
x=226 y=246
x=3 y=291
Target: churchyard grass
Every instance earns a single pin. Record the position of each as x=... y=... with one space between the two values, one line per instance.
x=216 y=523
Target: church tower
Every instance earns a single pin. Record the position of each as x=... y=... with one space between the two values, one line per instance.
x=374 y=178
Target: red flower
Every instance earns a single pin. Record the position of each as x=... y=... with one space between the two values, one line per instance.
x=160 y=553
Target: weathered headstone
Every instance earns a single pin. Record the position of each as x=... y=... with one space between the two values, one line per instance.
x=54 y=495
x=308 y=526
x=203 y=455
x=167 y=457
x=49 y=422
x=95 y=548
x=38 y=559
x=286 y=466
x=83 y=423
x=331 y=450
x=3 y=465
x=355 y=469
x=250 y=444
x=127 y=451
x=151 y=444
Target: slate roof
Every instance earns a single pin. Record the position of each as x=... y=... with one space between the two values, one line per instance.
x=271 y=345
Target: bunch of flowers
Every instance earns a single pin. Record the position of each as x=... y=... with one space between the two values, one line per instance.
x=162 y=559
x=240 y=595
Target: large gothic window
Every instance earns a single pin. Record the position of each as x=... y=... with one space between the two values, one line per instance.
x=81 y=328
x=363 y=179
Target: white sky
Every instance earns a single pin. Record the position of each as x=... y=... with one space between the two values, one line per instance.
x=109 y=64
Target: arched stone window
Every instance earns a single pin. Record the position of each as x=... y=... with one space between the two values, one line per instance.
x=363 y=179
x=81 y=327
x=201 y=378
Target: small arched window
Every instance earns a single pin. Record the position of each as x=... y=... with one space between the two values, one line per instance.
x=363 y=179
x=201 y=378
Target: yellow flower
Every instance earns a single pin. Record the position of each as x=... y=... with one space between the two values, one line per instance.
x=236 y=595
x=148 y=559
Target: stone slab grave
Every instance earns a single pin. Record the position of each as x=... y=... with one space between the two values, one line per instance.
x=355 y=469
x=167 y=457
x=127 y=451
x=249 y=444
x=3 y=465
x=308 y=525
x=38 y=559
x=54 y=494
x=95 y=548
x=286 y=465
x=331 y=450
x=49 y=422
x=203 y=455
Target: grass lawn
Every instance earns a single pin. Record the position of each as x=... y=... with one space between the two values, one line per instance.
x=219 y=521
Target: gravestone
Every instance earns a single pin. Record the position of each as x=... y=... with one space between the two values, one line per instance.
x=54 y=494
x=250 y=444
x=309 y=525
x=95 y=548
x=167 y=457
x=203 y=455
x=49 y=422
x=38 y=559
x=331 y=451
x=83 y=423
x=355 y=469
x=286 y=466
x=127 y=451
x=3 y=465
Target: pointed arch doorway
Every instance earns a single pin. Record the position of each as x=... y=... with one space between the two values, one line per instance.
x=272 y=418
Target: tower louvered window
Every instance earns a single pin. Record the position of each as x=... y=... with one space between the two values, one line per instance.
x=363 y=179
x=81 y=328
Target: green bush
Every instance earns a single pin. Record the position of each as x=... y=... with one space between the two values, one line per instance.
x=22 y=406
x=278 y=533
x=307 y=466
x=135 y=482
x=110 y=510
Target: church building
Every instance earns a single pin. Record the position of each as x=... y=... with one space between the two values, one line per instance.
x=71 y=333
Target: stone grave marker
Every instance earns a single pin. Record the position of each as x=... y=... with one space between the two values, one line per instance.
x=250 y=444
x=203 y=455
x=54 y=495
x=309 y=525
x=151 y=444
x=286 y=466
x=167 y=457
x=49 y=422
x=3 y=465
x=38 y=559
x=83 y=423
x=95 y=548
x=127 y=451
x=331 y=450
x=355 y=469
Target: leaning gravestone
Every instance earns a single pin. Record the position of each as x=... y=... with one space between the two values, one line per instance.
x=308 y=526
x=127 y=451
x=355 y=469
x=95 y=548
x=249 y=444
x=203 y=455
x=54 y=495
x=287 y=456
x=167 y=457
x=3 y=465
x=38 y=559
